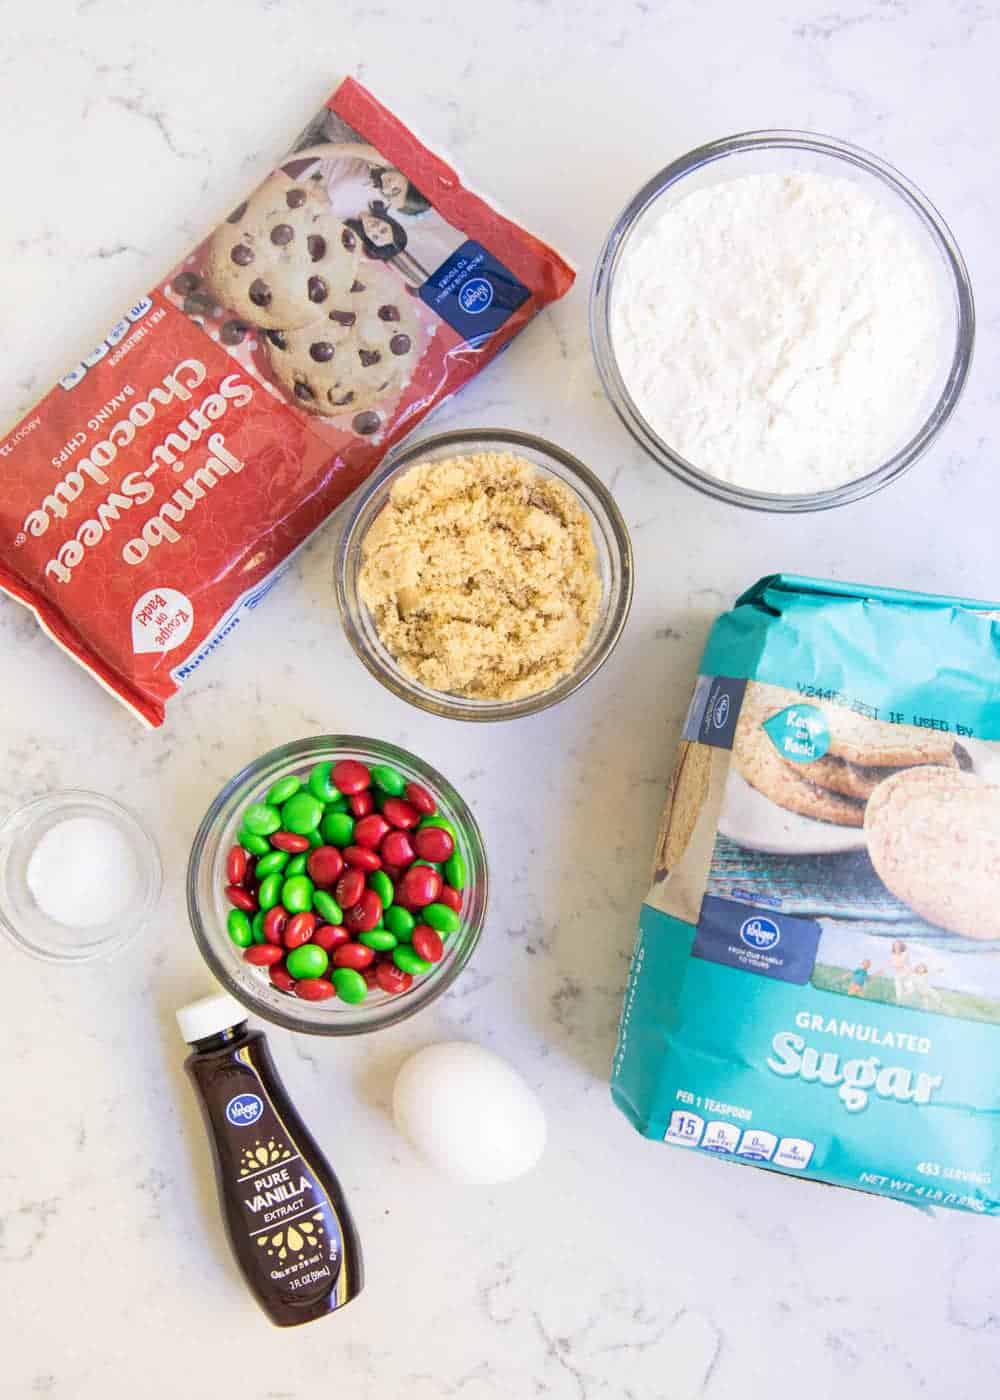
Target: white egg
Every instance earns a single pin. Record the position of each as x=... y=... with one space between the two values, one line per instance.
x=468 y=1113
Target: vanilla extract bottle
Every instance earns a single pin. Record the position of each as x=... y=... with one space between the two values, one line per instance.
x=288 y=1223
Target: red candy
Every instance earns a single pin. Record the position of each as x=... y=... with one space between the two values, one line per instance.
x=387 y=837
x=330 y=936
x=419 y=797
x=433 y=843
x=452 y=898
x=393 y=979
x=350 y=887
x=350 y=776
x=367 y=832
x=275 y=923
x=354 y=955
x=400 y=813
x=361 y=858
x=299 y=930
x=365 y=914
x=236 y=865
x=419 y=886
x=325 y=866
x=427 y=942
x=289 y=841
x=263 y=954
x=282 y=978
x=242 y=899
x=397 y=849
x=315 y=989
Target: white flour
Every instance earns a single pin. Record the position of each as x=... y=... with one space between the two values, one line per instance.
x=781 y=332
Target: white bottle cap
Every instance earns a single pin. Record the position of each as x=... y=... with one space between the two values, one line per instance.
x=208 y=1016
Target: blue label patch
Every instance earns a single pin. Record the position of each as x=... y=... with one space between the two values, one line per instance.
x=772 y=945
x=473 y=292
x=799 y=733
x=244 y=1109
x=714 y=710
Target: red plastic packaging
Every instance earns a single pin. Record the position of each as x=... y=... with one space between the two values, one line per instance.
x=150 y=500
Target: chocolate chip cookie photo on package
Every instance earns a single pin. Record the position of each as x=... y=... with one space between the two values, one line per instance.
x=281 y=256
x=220 y=419
x=815 y=987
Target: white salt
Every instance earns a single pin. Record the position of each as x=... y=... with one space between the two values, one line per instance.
x=83 y=872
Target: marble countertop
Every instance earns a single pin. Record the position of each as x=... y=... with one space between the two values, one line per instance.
x=619 y=1270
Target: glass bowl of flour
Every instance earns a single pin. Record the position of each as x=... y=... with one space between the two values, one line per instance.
x=782 y=320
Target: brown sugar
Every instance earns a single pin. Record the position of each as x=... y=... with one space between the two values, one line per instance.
x=481 y=575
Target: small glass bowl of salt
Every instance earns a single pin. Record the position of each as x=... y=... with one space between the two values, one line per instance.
x=79 y=876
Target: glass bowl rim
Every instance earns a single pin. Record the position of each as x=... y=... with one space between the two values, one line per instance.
x=314 y=747
x=602 y=286
x=440 y=702
x=152 y=873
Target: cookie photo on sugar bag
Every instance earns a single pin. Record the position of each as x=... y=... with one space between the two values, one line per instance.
x=282 y=256
x=874 y=743
x=854 y=779
x=934 y=840
x=685 y=800
x=759 y=762
x=837 y=775
x=357 y=358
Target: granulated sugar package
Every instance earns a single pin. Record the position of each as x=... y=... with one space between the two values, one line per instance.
x=149 y=501
x=815 y=988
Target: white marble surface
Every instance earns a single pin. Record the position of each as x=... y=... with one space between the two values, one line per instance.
x=620 y=1269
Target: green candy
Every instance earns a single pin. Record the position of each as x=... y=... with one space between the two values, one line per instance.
x=339 y=804
x=378 y=938
x=283 y=789
x=454 y=870
x=351 y=986
x=256 y=845
x=388 y=779
x=270 y=890
x=327 y=907
x=296 y=866
x=297 y=895
x=379 y=881
x=400 y=922
x=261 y=819
x=441 y=918
x=239 y=928
x=432 y=864
x=257 y=927
x=315 y=837
x=408 y=961
x=272 y=862
x=321 y=785
x=300 y=814
x=439 y=821
x=338 y=828
x=308 y=961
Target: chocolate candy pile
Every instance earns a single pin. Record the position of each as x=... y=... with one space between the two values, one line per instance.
x=344 y=879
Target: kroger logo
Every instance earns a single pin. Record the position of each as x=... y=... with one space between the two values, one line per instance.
x=721 y=712
x=760 y=932
x=476 y=295
x=243 y=1110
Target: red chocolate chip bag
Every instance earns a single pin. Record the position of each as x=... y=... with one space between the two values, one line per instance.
x=149 y=501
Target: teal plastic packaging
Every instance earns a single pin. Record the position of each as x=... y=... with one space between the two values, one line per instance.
x=815 y=986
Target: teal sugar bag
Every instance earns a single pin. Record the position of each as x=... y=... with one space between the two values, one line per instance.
x=815 y=987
